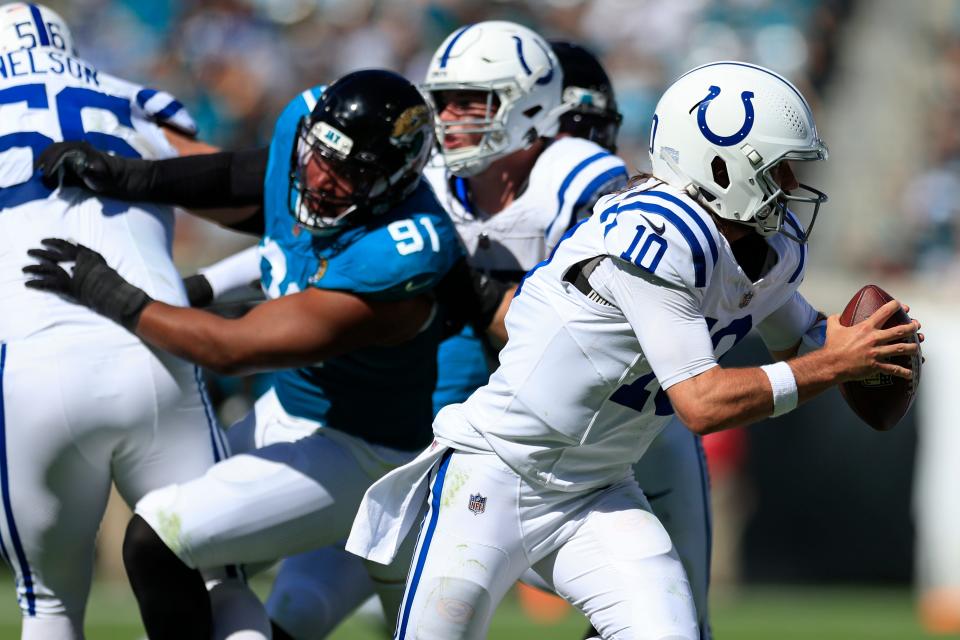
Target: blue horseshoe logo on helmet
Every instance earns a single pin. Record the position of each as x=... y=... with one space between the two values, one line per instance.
x=725 y=141
x=523 y=62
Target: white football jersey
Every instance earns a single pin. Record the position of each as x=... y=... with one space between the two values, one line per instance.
x=579 y=394
x=567 y=179
x=47 y=96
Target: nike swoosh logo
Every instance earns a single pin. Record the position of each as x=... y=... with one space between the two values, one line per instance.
x=655 y=496
x=413 y=285
x=657 y=230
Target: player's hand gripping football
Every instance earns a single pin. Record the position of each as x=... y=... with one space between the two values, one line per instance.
x=77 y=164
x=862 y=350
x=92 y=282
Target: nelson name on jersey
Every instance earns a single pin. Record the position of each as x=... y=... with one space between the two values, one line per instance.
x=42 y=61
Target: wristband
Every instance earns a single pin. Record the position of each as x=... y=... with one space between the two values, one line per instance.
x=784 y=386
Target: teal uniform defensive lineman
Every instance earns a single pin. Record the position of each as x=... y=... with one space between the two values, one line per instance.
x=407 y=253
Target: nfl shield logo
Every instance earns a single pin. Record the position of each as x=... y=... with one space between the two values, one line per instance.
x=478 y=503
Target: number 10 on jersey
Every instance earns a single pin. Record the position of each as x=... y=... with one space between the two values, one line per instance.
x=650 y=254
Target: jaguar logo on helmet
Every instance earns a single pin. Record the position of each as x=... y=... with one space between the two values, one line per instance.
x=410 y=121
x=349 y=132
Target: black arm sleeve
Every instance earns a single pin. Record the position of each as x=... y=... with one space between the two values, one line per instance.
x=207 y=181
x=469 y=298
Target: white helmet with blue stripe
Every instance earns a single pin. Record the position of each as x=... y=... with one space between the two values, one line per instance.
x=507 y=61
x=25 y=25
x=719 y=131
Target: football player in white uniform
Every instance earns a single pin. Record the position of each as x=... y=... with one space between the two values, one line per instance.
x=511 y=187
x=620 y=328
x=84 y=402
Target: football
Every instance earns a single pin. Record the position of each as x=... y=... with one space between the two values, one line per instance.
x=882 y=400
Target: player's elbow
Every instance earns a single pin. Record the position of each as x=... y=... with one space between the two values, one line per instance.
x=223 y=364
x=221 y=358
x=700 y=418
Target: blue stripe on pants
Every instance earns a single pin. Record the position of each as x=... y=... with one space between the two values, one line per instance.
x=7 y=508
x=436 y=492
x=216 y=442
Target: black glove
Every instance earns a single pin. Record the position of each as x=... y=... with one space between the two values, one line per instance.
x=199 y=291
x=93 y=283
x=78 y=164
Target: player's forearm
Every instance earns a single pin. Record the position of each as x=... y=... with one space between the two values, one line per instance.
x=201 y=337
x=225 y=179
x=723 y=398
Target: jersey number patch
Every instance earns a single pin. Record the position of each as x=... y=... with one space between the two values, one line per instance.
x=408 y=237
x=651 y=252
x=70 y=103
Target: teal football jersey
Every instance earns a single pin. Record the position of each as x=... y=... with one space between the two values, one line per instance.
x=380 y=394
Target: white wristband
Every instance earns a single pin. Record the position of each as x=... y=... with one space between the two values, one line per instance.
x=784 y=387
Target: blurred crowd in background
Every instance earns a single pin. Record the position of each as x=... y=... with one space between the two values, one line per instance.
x=236 y=63
x=931 y=201
x=895 y=213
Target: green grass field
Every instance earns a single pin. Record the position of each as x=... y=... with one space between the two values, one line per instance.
x=753 y=614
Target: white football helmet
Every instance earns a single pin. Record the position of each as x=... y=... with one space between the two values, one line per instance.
x=26 y=25
x=508 y=61
x=720 y=129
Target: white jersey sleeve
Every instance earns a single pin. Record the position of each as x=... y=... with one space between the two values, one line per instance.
x=151 y=111
x=667 y=320
x=162 y=108
x=233 y=272
x=784 y=328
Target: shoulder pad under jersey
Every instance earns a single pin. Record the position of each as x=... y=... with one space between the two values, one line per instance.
x=663 y=232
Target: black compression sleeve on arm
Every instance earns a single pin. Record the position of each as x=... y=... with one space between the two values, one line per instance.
x=213 y=180
x=469 y=297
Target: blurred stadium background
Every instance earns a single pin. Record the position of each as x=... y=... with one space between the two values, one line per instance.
x=824 y=528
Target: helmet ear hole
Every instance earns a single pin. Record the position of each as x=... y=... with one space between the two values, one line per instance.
x=532 y=111
x=720 y=174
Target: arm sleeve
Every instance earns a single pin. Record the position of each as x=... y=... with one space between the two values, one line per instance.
x=666 y=319
x=233 y=272
x=469 y=298
x=785 y=327
x=213 y=180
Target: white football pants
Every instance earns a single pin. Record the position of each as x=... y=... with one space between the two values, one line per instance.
x=294 y=488
x=78 y=410
x=317 y=590
x=603 y=551
x=673 y=476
